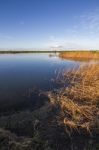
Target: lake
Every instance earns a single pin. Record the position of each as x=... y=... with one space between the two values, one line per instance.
x=22 y=78
x=20 y=74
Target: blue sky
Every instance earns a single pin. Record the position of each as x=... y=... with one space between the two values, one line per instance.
x=48 y=24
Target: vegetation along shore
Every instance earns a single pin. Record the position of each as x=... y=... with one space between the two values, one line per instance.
x=79 y=55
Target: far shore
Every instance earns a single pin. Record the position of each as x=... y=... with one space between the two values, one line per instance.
x=24 y=51
x=63 y=53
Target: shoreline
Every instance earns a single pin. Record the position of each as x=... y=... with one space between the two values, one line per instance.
x=62 y=52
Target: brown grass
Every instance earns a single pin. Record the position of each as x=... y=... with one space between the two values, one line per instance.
x=79 y=102
x=80 y=55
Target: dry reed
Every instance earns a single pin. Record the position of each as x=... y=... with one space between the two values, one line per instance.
x=80 y=55
x=79 y=101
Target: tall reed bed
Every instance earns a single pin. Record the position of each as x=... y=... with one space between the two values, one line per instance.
x=79 y=101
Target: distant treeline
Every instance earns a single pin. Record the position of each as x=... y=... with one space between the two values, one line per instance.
x=17 y=51
x=49 y=51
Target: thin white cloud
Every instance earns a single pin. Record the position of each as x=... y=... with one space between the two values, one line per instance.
x=91 y=22
x=73 y=43
x=84 y=34
x=87 y=24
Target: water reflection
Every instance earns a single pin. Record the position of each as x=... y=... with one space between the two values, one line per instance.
x=20 y=72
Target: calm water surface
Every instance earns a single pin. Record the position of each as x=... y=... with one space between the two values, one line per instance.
x=19 y=73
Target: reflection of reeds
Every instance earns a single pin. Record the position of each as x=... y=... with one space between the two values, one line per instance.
x=80 y=55
x=79 y=102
